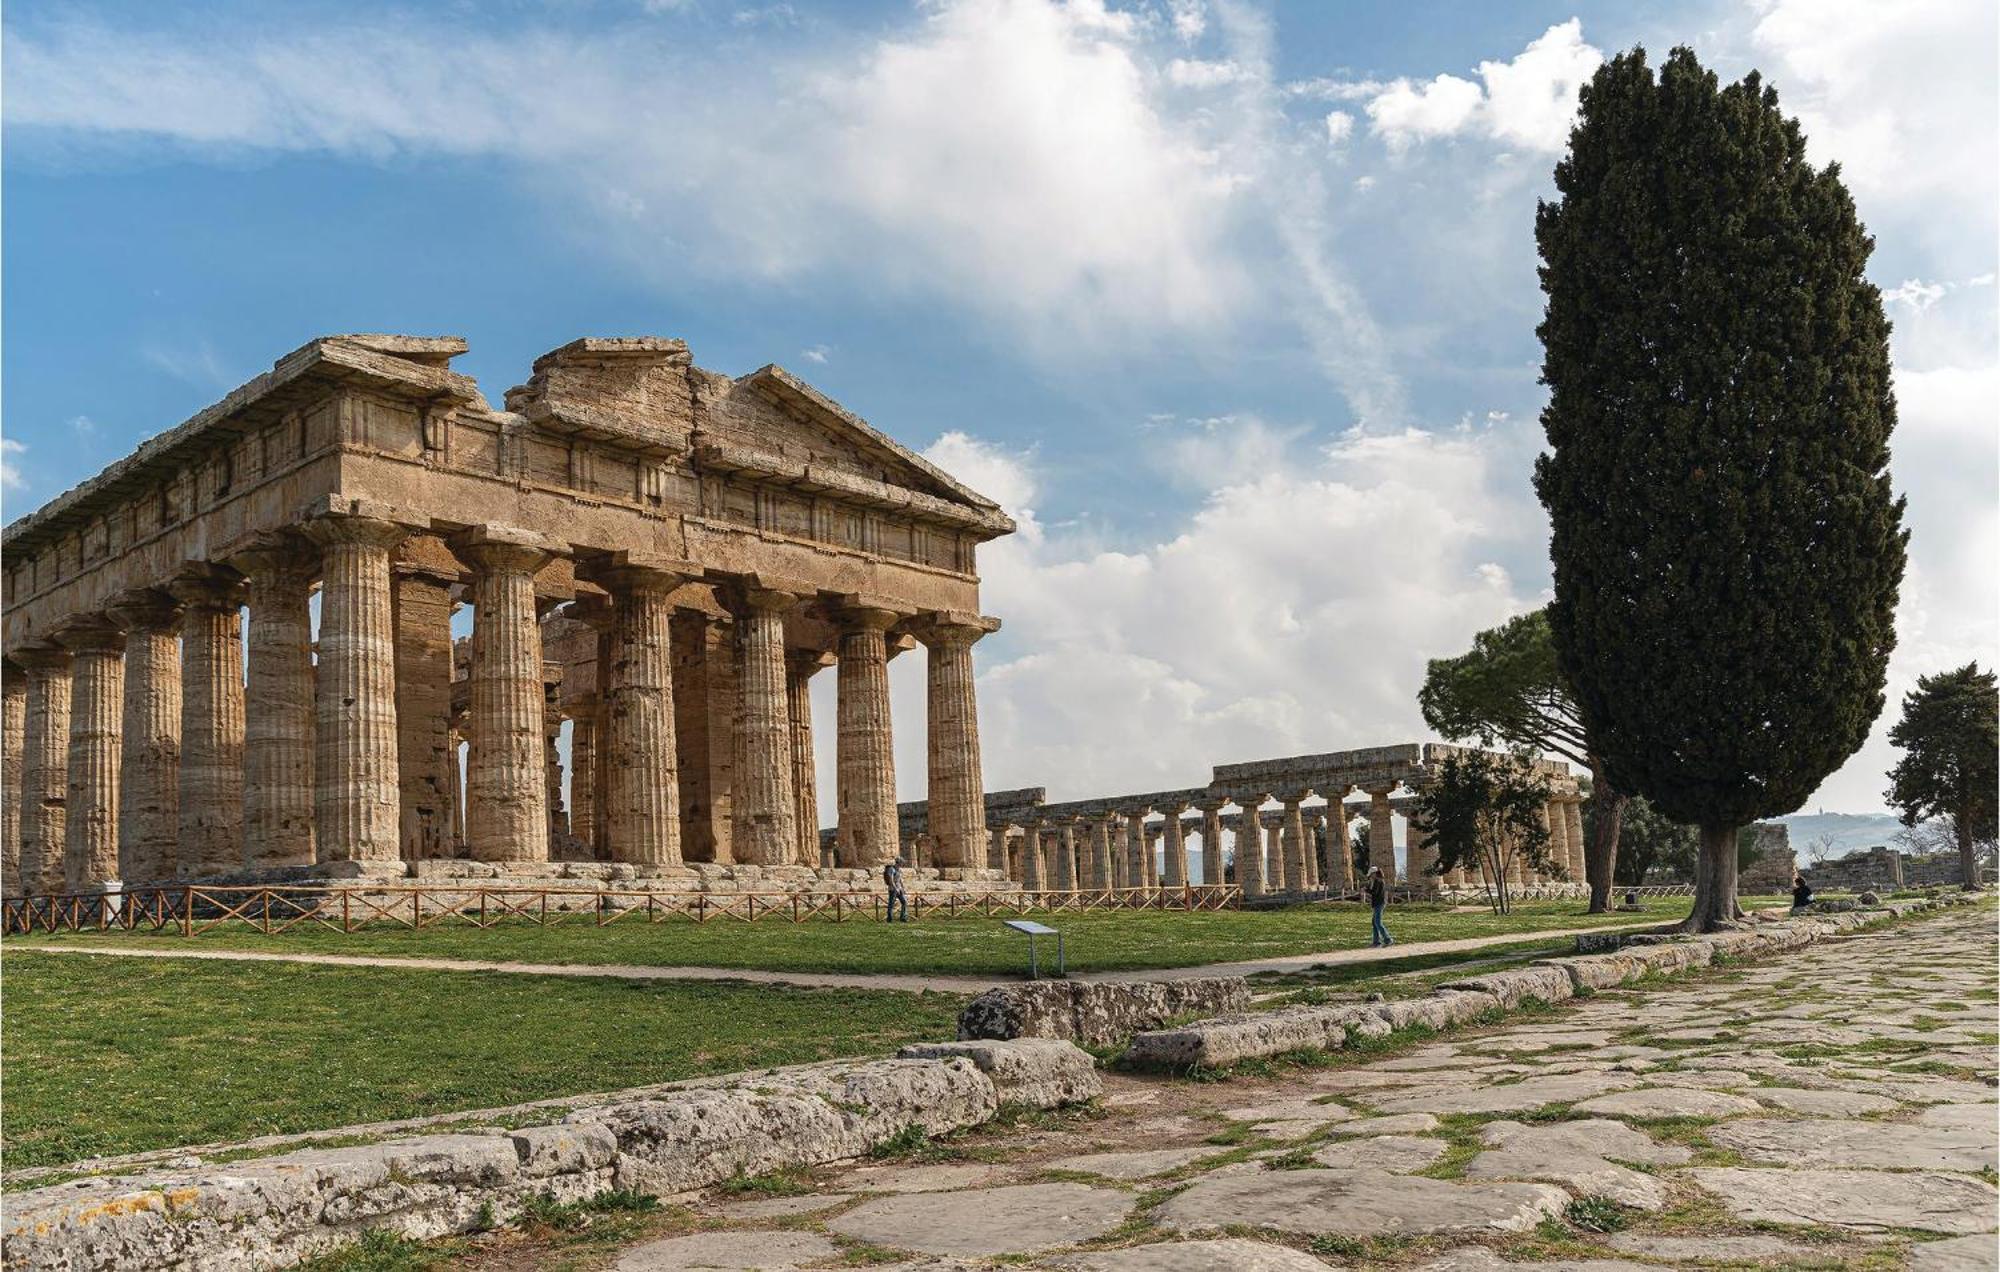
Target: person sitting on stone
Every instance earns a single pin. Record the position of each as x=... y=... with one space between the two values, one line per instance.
x=1802 y=894
x=892 y=877
x=1378 y=896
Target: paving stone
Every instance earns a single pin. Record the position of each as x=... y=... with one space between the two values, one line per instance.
x=1394 y=1124
x=1397 y=1154
x=1140 y=1165
x=1358 y=1203
x=1583 y=1155
x=1968 y=1117
x=1977 y=1253
x=1519 y=1097
x=1712 y=1079
x=1480 y=1259
x=772 y=1250
x=1231 y=1255
x=1289 y=1118
x=920 y=1179
x=781 y=1207
x=1824 y=1103
x=1021 y=1219
x=1859 y=1200
x=1877 y=1145
x=1707 y=1250
x=1669 y=1102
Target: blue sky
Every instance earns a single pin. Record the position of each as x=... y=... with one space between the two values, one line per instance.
x=1232 y=304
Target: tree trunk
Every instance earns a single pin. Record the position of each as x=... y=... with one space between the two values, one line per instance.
x=1968 y=861
x=1714 y=882
x=1600 y=856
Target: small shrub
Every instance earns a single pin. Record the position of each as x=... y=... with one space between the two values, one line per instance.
x=1596 y=1214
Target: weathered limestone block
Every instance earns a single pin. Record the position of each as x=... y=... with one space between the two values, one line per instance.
x=1041 y=1073
x=1512 y=987
x=691 y=1138
x=1228 y=1039
x=1097 y=1013
x=1594 y=971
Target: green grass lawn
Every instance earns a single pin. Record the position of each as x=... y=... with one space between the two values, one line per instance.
x=1096 y=941
x=106 y=1056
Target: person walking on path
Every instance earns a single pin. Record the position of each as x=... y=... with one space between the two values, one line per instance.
x=892 y=877
x=1802 y=894
x=1378 y=896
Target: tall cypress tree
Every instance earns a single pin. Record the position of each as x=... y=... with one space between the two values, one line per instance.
x=1725 y=542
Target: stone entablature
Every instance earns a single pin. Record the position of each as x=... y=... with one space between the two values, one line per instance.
x=709 y=541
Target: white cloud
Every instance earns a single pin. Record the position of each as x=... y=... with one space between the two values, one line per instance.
x=1189 y=73
x=815 y=353
x=1915 y=293
x=1339 y=127
x=1529 y=102
x=1190 y=19
x=10 y=471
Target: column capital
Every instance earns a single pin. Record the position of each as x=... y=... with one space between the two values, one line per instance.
x=1292 y=799
x=284 y=559
x=502 y=549
x=867 y=611
x=1379 y=791
x=593 y=611
x=1250 y=801
x=946 y=628
x=146 y=610
x=12 y=673
x=91 y=634
x=42 y=658
x=627 y=570
x=211 y=588
x=355 y=521
x=807 y=662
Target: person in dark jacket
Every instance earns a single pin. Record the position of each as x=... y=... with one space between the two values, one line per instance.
x=1802 y=894
x=1378 y=896
x=892 y=877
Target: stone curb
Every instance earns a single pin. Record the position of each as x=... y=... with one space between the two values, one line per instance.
x=1231 y=1039
x=1097 y=1013
x=275 y=1211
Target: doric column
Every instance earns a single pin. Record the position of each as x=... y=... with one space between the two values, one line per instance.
x=865 y=781
x=1249 y=846
x=1559 y=853
x=13 y=738
x=552 y=769
x=1135 y=847
x=96 y=726
x=1100 y=852
x=506 y=772
x=1579 y=854
x=1031 y=857
x=425 y=758
x=1065 y=871
x=1294 y=841
x=640 y=757
x=764 y=829
x=996 y=849
x=583 y=777
x=1422 y=855
x=1173 y=839
x=1211 y=844
x=279 y=726
x=1309 y=819
x=1340 y=862
x=800 y=667
x=44 y=769
x=1381 y=832
x=596 y=612
x=1152 y=856
x=356 y=771
x=150 y=755
x=211 y=777
x=956 y=785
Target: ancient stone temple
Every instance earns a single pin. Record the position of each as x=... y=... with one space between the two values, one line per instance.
x=657 y=556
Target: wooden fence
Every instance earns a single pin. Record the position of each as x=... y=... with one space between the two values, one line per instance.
x=192 y=909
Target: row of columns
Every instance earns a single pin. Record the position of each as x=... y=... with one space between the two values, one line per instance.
x=143 y=757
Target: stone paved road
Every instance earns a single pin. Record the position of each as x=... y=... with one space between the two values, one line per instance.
x=1831 y=1108
x=825 y=980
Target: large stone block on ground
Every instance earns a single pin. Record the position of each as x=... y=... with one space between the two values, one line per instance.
x=1226 y=1040
x=1041 y=1073
x=1869 y=1145
x=1021 y=1219
x=1516 y=985
x=687 y=1139
x=1595 y=971
x=1584 y=1155
x=1358 y=1203
x=1097 y=1013
x=1860 y=1200
x=1228 y=1255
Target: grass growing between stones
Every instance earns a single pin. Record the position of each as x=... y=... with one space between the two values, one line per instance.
x=966 y=946
x=117 y=1056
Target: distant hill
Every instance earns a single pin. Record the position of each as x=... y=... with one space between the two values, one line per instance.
x=1851 y=832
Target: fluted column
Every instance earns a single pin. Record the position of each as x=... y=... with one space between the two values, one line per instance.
x=583 y=778
x=211 y=777
x=96 y=727
x=1135 y=848
x=13 y=738
x=1578 y=854
x=1340 y=865
x=1031 y=857
x=425 y=757
x=1211 y=844
x=1100 y=853
x=279 y=727
x=1249 y=847
x=1381 y=832
x=1309 y=847
x=1559 y=859
x=506 y=772
x=1294 y=842
x=44 y=769
x=800 y=667
x=866 y=770
x=1065 y=846
x=1422 y=855
x=640 y=757
x=764 y=829
x=150 y=749
x=357 y=773
x=1173 y=840
x=956 y=785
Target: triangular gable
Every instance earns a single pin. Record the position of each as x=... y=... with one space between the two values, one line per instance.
x=772 y=409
